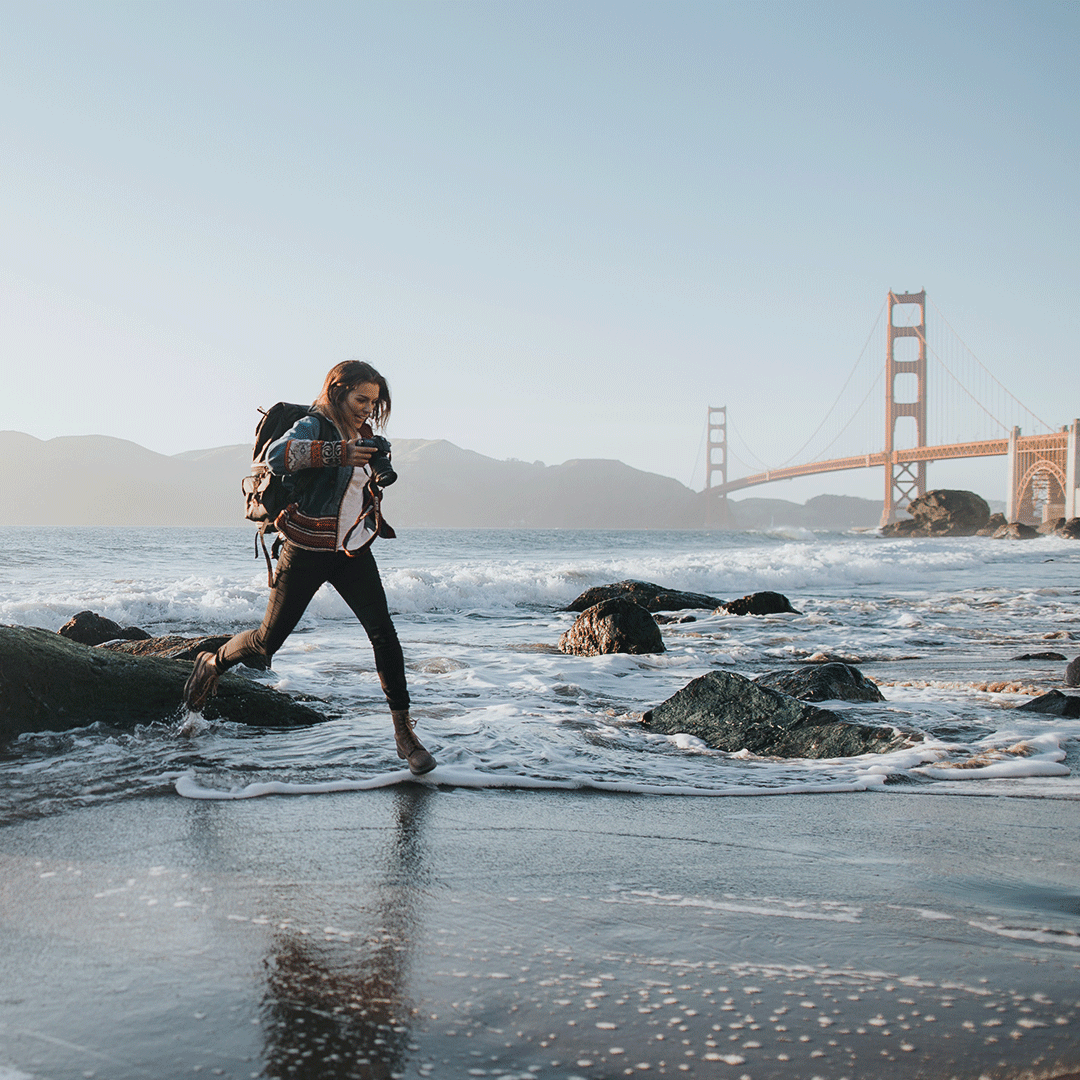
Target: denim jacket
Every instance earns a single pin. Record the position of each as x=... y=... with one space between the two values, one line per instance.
x=313 y=470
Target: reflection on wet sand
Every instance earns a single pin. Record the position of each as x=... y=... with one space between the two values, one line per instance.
x=339 y=1007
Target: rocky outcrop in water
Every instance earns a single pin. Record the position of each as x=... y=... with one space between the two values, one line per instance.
x=89 y=628
x=1071 y=529
x=174 y=647
x=612 y=626
x=645 y=594
x=995 y=522
x=1054 y=703
x=942 y=512
x=822 y=682
x=760 y=603
x=49 y=683
x=729 y=712
x=1016 y=530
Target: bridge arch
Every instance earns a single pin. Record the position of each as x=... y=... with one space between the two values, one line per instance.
x=1044 y=481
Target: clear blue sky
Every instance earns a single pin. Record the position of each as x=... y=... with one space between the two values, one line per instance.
x=561 y=229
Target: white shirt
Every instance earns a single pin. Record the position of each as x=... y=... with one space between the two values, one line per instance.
x=352 y=504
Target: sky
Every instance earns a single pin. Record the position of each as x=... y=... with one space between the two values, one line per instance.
x=560 y=229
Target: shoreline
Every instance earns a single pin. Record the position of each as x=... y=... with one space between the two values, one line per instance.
x=417 y=931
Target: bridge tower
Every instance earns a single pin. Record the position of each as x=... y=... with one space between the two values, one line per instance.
x=904 y=481
x=716 y=462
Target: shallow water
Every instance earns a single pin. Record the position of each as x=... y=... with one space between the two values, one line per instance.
x=937 y=623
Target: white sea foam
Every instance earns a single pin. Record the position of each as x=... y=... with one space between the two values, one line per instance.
x=936 y=622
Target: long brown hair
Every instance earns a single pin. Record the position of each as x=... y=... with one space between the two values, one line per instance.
x=342 y=378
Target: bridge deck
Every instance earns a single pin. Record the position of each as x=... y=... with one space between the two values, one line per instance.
x=984 y=448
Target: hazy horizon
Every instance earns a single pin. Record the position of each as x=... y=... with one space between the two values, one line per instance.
x=562 y=231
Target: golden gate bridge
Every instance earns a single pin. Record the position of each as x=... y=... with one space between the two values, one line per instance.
x=935 y=389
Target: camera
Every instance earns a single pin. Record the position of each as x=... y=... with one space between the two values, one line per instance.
x=379 y=463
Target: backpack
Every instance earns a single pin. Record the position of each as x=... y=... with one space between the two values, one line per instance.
x=265 y=495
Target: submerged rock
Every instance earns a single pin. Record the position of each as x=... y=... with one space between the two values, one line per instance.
x=760 y=603
x=48 y=683
x=1054 y=703
x=822 y=682
x=730 y=712
x=89 y=628
x=942 y=512
x=644 y=593
x=612 y=626
x=1040 y=656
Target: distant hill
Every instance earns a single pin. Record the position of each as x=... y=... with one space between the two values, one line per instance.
x=99 y=480
x=820 y=512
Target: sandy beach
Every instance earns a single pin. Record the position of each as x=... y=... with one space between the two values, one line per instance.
x=436 y=932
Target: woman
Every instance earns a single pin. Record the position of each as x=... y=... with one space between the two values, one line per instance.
x=328 y=531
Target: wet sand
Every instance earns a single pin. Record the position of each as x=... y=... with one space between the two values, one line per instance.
x=414 y=931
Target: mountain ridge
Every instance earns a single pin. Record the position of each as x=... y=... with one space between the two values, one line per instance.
x=103 y=480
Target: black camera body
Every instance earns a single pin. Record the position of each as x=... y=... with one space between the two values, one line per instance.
x=379 y=463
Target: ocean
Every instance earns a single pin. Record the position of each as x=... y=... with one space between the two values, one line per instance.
x=938 y=623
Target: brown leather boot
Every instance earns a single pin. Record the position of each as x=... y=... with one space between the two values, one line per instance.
x=409 y=746
x=202 y=683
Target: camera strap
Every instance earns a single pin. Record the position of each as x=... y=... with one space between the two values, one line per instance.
x=372 y=509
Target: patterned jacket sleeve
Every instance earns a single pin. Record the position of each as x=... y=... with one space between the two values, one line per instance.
x=301 y=448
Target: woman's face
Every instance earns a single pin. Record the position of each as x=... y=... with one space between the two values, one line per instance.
x=359 y=402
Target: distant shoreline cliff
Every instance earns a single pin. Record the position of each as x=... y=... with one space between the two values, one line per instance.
x=100 y=480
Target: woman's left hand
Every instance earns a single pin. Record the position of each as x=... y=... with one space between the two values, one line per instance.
x=357 y=455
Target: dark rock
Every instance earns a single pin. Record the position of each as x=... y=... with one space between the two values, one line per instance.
x=1016 y=530
x=943 y=512
x=1071 y=529
x=175 y=647
x=662 y=619
x=1072 y=672
x=732 y=713
x=822 y=682
x=1040 y=656
x=644 y=593
x=89 y=628
x=996 y=522
x=1055 y=703
x=760 y=603
x=1047 y=528
x=612 y=626
x=903 y=527
x=49 y=683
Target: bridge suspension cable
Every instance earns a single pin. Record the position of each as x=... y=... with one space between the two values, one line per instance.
x=832 y=407
x=1004 y=394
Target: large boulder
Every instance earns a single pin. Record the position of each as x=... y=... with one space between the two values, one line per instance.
x=1016 y=530
x=730 y=712
x=760 y=603
x=646 y=594
x=943 y=512
x=89 y=628
x=1072 y=672
x=1071 y=529
x=1054 y=703
x=822 y=682
x=612 y=626
x=48 y=683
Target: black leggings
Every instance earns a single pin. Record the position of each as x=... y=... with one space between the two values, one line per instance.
x=299 y=575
